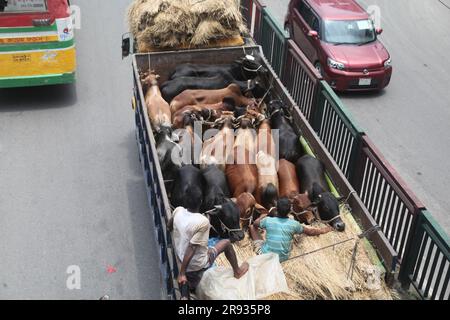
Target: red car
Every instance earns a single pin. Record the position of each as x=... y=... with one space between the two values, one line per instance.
x=340 y=39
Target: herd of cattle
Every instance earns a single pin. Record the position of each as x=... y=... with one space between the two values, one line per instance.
x=254 y=156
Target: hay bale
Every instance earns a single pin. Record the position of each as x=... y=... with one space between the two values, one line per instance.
x=208 y=30
x=184 y=23
x=323 y=275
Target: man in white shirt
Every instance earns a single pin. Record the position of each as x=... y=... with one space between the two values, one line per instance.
x=190 y=237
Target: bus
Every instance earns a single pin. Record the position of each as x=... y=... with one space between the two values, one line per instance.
x=37 y=45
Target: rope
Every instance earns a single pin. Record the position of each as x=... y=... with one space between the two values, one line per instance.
x=349 y=195
x=358 y=238
x=320 y=249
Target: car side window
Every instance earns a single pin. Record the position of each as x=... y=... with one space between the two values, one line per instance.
x=304 y=10
x=308 y=16
x=315 y=24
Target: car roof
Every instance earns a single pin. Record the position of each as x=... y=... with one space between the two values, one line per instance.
x=338 y=9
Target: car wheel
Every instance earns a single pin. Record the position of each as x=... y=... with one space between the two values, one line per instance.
x=319 y=68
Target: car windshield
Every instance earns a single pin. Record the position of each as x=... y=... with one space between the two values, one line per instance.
x=349 y=31
x=23 y=6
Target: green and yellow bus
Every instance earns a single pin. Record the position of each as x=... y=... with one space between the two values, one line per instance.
x=37 y=44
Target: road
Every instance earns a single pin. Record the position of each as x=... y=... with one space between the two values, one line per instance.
x=409 y=120
x=71 y=186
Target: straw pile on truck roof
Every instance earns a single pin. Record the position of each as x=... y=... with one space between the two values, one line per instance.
x=323 y=275
x=169 y=24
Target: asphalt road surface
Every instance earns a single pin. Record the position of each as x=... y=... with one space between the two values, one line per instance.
x=71 y=185
x=409 y=120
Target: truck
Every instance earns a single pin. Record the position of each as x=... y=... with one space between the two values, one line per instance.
x=163 y=63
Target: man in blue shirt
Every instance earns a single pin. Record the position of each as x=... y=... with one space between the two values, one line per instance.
x=280 y=231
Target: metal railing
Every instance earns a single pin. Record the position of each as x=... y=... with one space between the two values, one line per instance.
x=301 y=79
x=273 y=42
x=390 y=202
x=428 y=266
x=337 y=130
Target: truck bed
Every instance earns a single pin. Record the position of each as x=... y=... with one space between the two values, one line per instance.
x=165 y=62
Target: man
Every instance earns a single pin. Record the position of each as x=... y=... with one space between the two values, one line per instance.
x=190 y=236
x=280 y=231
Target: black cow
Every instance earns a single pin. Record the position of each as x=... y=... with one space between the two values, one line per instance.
x=216 y=187
x=187 y=178
x=242 y=70
x=225 y=221
x=171 y=89
x=289 y=143
x=311 y=173
x=169 y=152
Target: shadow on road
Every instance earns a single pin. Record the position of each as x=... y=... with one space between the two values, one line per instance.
x=143 y=229
x=37 y=98
x=361 y=95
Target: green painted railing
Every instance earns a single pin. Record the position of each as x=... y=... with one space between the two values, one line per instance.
x=428 y=265
x=273 y=42
x=337 y=129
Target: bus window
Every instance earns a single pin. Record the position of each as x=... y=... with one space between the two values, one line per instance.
x=23 y=6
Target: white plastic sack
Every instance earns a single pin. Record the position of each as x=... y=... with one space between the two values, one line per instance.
x=264 y=278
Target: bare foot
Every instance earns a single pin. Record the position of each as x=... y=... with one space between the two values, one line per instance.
x=242 y=270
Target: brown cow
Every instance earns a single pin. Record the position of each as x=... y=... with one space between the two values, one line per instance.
x=242 y=175
x=188 y=141
x=289 y=185
x=209 y=97
x=157 y=108
x=266 y=142
x=267 y=191
x=266 y=161
x=290 y=188
x=246 y=203
x=219 y=149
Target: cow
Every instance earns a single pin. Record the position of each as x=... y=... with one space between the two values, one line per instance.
x=289 y=144
x=187 y=177
x=225 y=221
x=216 y=187
x=311 y=173
x=157 y=108
x=208 y=97
x=267 y=189
x=208 y=113
x=170 y=89
x=289 y=187
x=168 y=151
x=243 y=69
x=189 y=141
x=218 y=149
x=242 y=173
